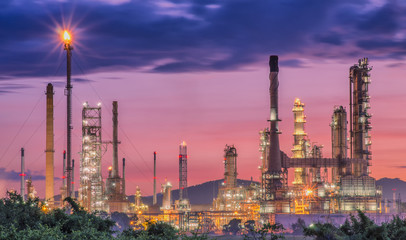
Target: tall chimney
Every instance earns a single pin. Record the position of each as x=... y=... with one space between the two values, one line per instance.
x=68 y=92
x=115 y=141
x=154 y=198
x=123 y=181
x=49 y=151
x=22 y=175
x=73 y=195
x=274 y=160
x=64 y=171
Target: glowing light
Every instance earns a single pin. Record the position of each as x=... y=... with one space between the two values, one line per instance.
x=66 y=37
x=110 y=168
x=309 y=192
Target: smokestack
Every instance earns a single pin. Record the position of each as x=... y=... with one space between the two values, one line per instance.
x=115 y=141
x=274 y=160
x=123 y=181
x=274 y=163
x=64 y=170
x=183 y=171
x=73 y=179
x=68 y=92
x=49 y=151
x=154 y=198
x=22 y=175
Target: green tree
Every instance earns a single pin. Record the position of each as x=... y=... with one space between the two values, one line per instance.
x=267 y=231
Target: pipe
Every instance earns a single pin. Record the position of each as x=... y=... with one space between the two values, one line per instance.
x=22 y=175
x=154 y=198
x=115 y=141
x=64 y=170
x=73 y=195
x=68 y=47
x=273 y=179
x=49 y=151
x=123 y=181
x=274 y=164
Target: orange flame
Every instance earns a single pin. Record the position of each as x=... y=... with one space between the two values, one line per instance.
x=66 y=36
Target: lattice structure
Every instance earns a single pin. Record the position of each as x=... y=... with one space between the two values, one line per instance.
x=360 y=117
x=230 y=166
x=183 y=171
x=339 y=141
x=91 y=182
x=300 y=142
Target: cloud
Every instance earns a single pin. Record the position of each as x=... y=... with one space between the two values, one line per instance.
x=138 y=34
x=82 y=80
x=12 y=87
x=11 y=175
x=292 y=63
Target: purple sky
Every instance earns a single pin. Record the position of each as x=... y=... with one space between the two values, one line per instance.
x=195 y=71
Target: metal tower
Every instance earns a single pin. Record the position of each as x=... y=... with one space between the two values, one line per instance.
x=230 y=166
x=91 y=182
x=49 y=151
x=68 y=92
x=339 y=142
x=300 y=142
x=154 y=196
x=183 y=170
x=115 y=193
x=273 y=178
x=359 y=115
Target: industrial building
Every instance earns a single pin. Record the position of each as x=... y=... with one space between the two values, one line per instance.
x=350 y=187
x=91 y=189
x=338 y=184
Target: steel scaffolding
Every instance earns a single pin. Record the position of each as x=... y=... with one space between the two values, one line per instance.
x=91 y=182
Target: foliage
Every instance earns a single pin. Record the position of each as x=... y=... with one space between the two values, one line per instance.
x=31 y=220
x=194 y=236
x=360 y=227
x=154 y=230
x=298 y=227
x=267 y=231
x=233 y=227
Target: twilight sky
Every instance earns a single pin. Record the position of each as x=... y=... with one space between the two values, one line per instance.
x=195 y=70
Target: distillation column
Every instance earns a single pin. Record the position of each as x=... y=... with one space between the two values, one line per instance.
x=166 y=195
x=299 y=141
x=360 y=117
x=49 y=151
x=339 y=142
x=230 y=166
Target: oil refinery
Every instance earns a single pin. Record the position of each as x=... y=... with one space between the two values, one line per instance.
x=337 y=184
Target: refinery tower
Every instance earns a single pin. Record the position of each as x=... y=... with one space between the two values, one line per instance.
x=350 y=187
x=183 y=203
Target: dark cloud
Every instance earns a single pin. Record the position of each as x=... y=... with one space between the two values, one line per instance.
x=384 y=20
x=82 y=80
x=396 y=65
x=11 y=175
x=195 y=35
x=292 y=63
x=329 y=38
x=12 y=87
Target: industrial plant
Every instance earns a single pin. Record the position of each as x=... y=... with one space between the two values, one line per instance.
x=337 y=184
